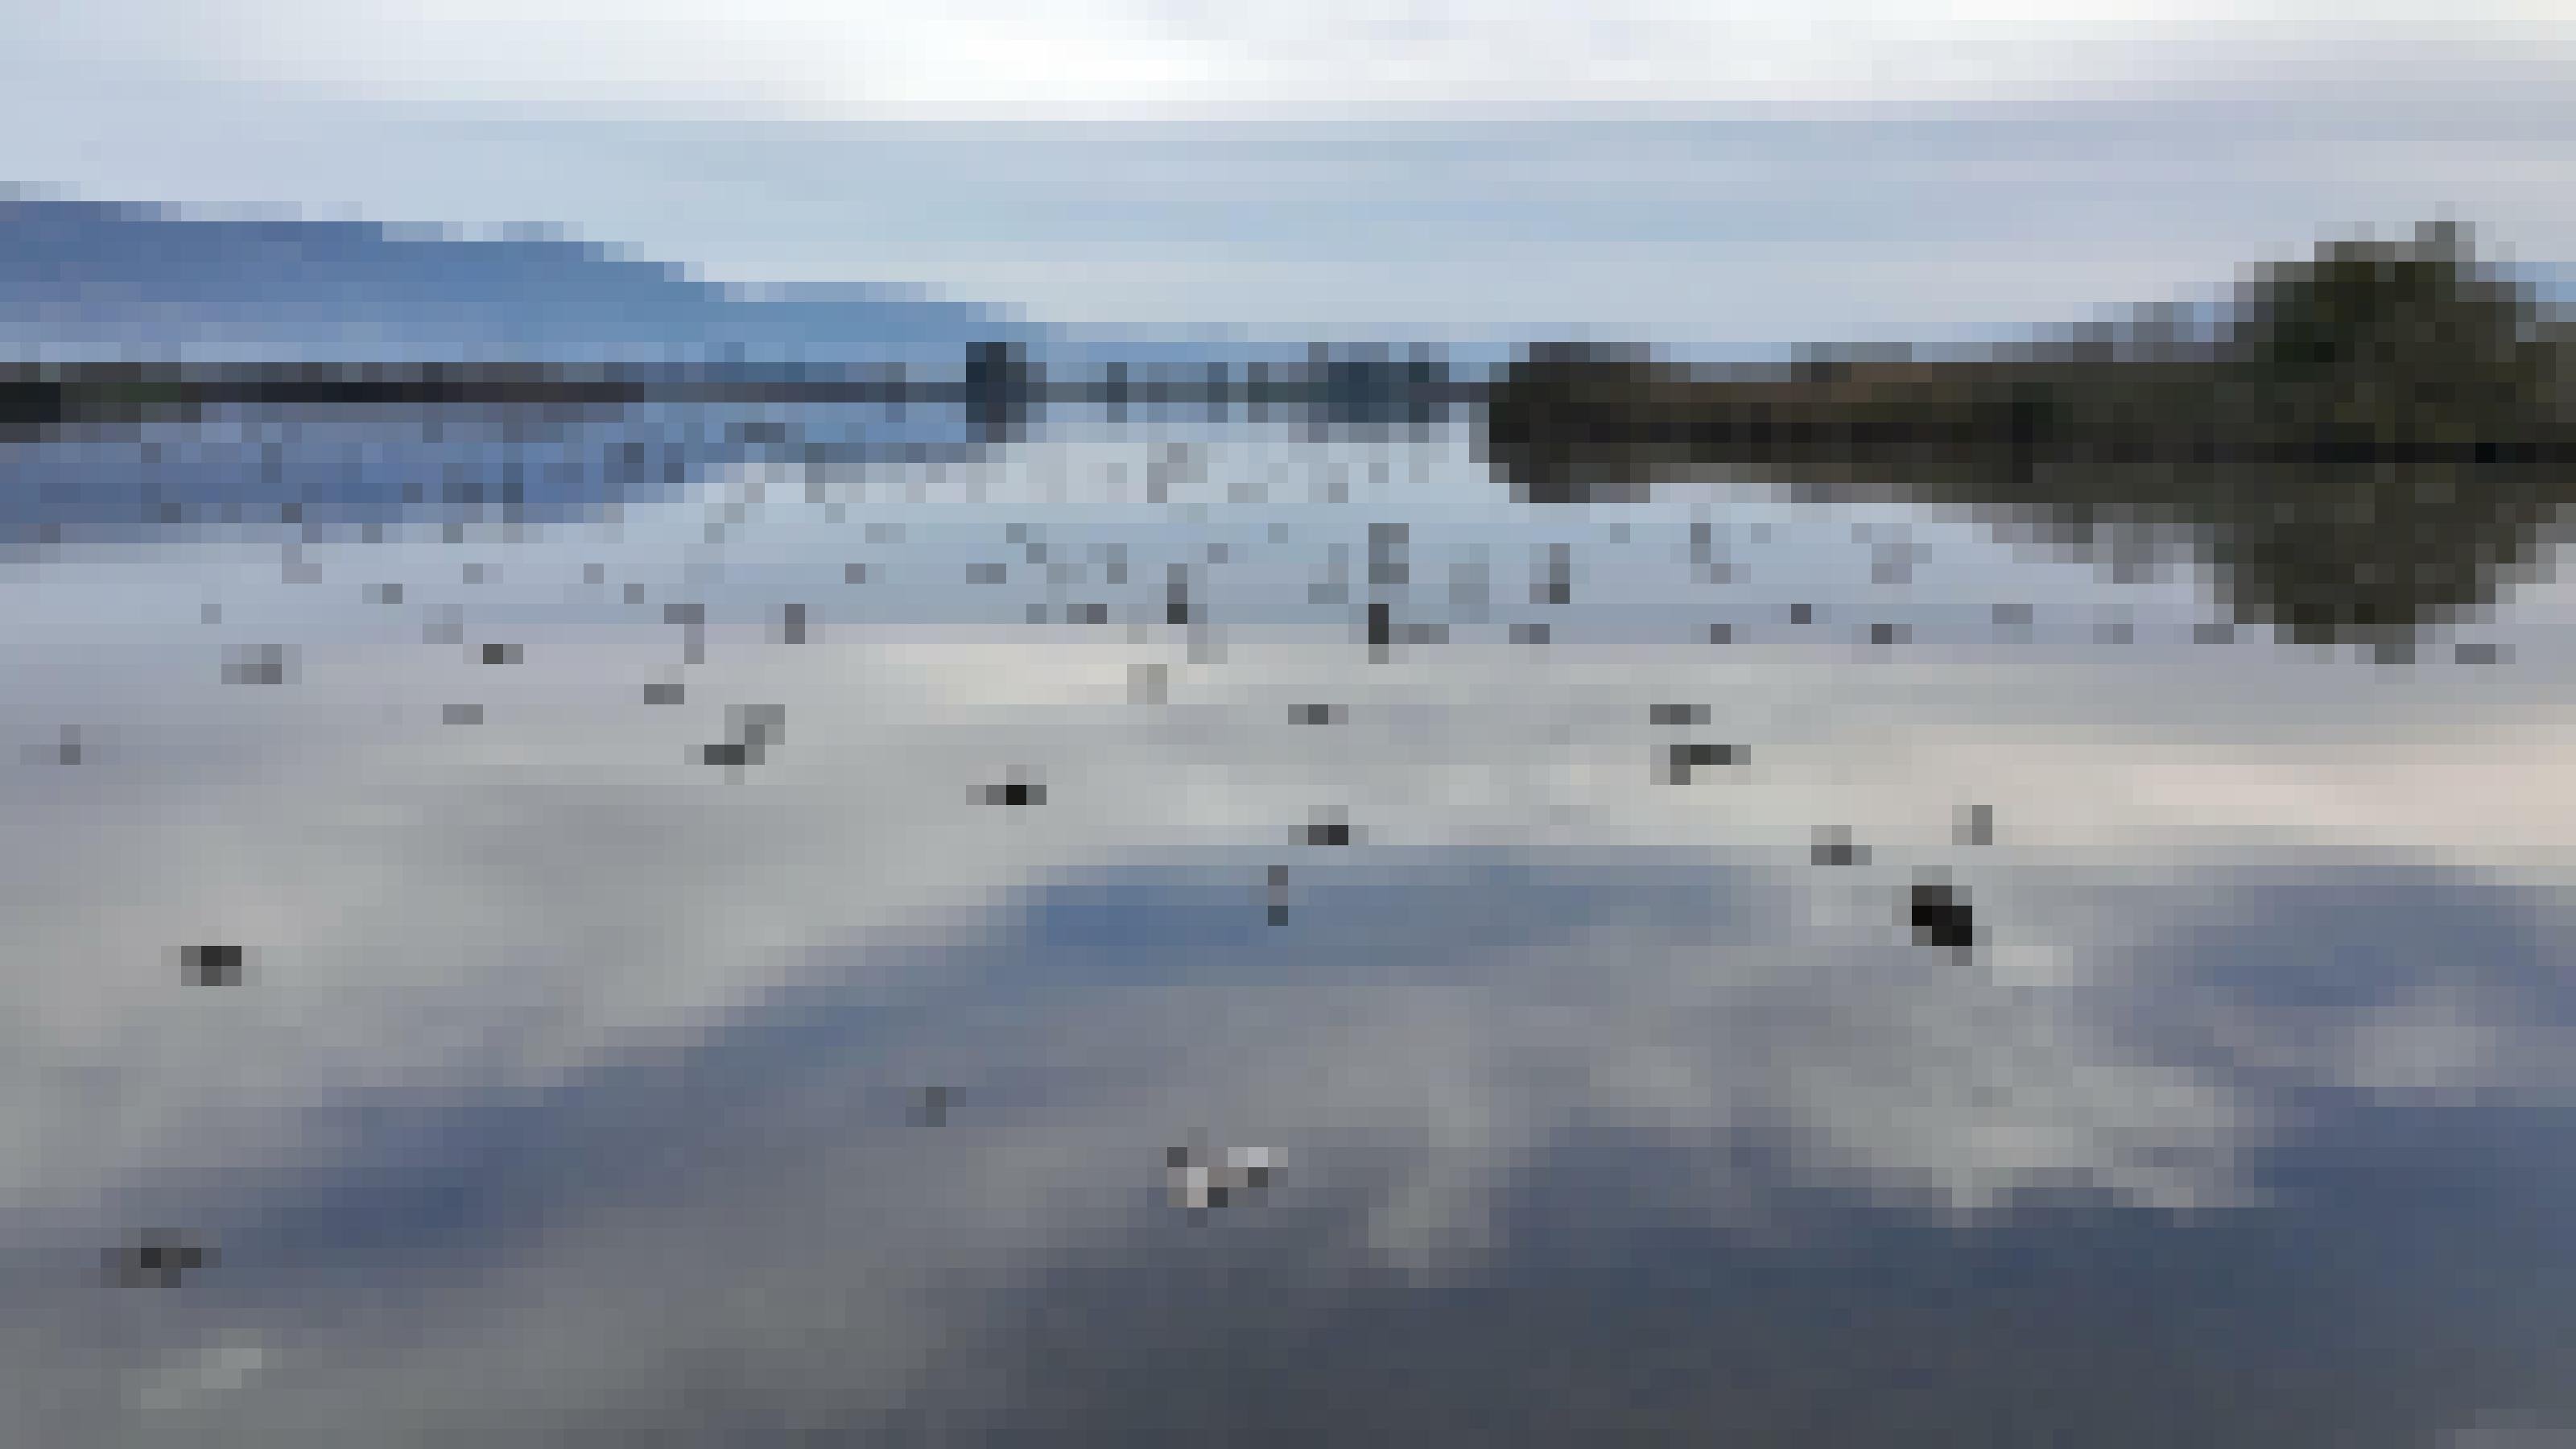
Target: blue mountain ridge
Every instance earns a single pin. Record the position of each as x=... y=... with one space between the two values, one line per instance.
x=88 y=281
x=82 y=281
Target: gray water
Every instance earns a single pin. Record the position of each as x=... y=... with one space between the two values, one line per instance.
x=655 y=1025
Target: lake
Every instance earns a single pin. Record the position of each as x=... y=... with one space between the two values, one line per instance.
x=799 y=927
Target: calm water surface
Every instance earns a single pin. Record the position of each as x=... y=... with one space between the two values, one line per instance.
x=740 y=915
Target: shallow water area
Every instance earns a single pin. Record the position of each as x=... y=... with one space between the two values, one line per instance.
x=619 y=870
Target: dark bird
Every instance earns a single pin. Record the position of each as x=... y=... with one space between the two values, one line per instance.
x=1942 y=918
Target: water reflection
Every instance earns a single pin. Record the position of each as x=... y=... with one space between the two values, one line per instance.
x=2375 y=554
x=2369 y=552
x=1585 y=1147
x=1801 y=1038
x=324 y=472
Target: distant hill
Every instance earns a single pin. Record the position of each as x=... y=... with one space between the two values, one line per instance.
x=94 y=282
x=84 y=281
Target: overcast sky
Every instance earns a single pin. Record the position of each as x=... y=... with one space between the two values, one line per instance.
x=1694 y=173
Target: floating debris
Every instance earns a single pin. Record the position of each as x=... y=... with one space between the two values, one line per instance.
x=258 y=664
x=1197 y=1182
x=755 y=728
x=1942 y=918
x=762 y=724
x=1678 y=714
x=933 y=1106
x=1554 y=581
x=497 y=653
x=1330 y=829
x=1683 y=758
x=1976 y=825
x=212 y=965
x=1015 y=791
x=691 y=620
x=1834 y=846
x=157 y=1258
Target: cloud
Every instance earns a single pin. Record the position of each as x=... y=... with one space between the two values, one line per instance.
x=1023 y=58
x=762 y=144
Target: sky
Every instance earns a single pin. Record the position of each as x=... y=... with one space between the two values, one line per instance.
x=1695 y=174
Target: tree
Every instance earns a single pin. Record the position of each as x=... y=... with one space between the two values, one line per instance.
x=2390 y=348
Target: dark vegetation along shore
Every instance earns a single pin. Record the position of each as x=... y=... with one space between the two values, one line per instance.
x=1001 y=387
x=2374 y=437
x=37 y=398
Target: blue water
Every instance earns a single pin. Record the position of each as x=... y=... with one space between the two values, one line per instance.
x=574 y=1088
